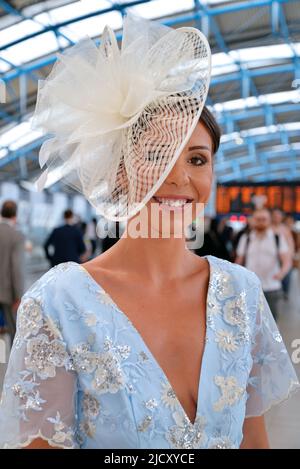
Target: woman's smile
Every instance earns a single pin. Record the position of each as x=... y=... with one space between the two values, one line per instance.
x=172 y=202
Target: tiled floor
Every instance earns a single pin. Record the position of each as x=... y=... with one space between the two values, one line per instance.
x=283 y=421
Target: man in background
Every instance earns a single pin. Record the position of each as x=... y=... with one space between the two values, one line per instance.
x=65 y=243
x=266 y=253
x=281 y=228
x=11 y=265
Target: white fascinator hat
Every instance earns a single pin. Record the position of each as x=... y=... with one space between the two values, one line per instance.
x=118 y=118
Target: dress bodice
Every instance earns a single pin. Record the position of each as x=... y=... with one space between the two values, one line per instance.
x=81 y=376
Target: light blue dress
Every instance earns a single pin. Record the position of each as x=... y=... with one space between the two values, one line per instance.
x=81 y=376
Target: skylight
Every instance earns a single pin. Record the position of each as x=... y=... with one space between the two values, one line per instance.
x=160 y=8
x=18 y=136
x=18 y=31
x=45 y=43
x=72 y=11
x=92 y=26
x=33 y=48
x=253 y=101
x=289 y=126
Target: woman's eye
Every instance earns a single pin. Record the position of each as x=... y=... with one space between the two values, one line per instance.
x=198 y=160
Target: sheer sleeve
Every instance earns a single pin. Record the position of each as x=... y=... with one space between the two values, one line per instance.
x=272 y=378
x=40 y=387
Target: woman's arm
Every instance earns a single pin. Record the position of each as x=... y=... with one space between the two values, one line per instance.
x=255 y=434
x=40 y=443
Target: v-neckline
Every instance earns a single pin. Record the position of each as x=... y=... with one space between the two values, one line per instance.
x=147 y=349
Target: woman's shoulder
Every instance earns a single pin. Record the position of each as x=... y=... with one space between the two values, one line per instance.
x=58 y=279
x=237 y=275
x=57 y=298
x=59 y=286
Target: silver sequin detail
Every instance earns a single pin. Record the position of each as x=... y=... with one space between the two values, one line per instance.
x=221 y=285
x=30 y=398
x=151 y=404
x=109 y=376
x=221 y=443
x=18 y=390
x=83 y=359
x=30 y=318
x=43 y=356
x=277 y=337
x=124 y=351
x=143 y=356
x=185 y=435
x=236 y=314
x=34 y=402
x=168 y=396
x=145 y=423
x=90 y=406
x=88 y=427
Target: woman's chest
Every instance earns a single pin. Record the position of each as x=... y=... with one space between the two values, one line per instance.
x=171 y=323
x=128 y=400
x=120 y=362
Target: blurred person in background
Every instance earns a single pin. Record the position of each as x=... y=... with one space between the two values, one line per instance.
x=112 y=237
x=267 y=254
x=237 y=236
x=88 y=247
x=65 y=243
x=279 y=227
x=12 y=249
x=213 y=243
x=92 y=235
x=226 y=234
x=290 y=222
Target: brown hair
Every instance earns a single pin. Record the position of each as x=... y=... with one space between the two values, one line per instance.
x=68 y=214
x=9 y=209
x=209 y=121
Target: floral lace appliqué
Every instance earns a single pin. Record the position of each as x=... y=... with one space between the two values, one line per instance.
x=44 y=356
x=231 y=392
x=62 y=433
x=221 y=443
x=226 y=341
x=30 y=318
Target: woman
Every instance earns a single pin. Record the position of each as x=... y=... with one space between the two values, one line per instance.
x=148 y=345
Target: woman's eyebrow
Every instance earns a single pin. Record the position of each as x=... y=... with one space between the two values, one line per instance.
x=199 y=147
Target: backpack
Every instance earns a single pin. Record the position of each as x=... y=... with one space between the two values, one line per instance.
x=276 y=237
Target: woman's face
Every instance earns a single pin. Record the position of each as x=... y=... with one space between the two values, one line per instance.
x=188 y=184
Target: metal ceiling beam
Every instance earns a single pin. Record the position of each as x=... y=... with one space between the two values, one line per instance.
x=202 y=16
x=226 y=146
x=257 y=139
x=10 y=9
x=63 y=24
x=252 y=113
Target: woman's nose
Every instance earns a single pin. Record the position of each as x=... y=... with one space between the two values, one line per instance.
x=178 y=175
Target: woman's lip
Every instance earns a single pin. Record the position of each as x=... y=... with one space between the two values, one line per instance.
x=170 y=208
x=173 y=197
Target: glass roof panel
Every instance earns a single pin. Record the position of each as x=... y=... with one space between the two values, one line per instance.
x=18 y=31
x=92 y=26
x=160 y=8
x=72 y=11
x=31 y=49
